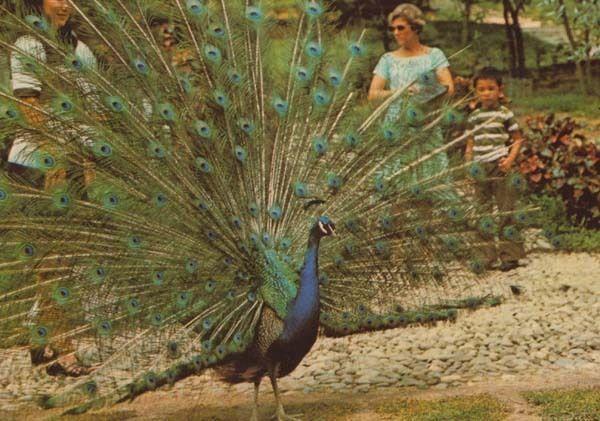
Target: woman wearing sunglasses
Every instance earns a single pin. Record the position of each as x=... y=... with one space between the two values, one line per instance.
x=422 y=73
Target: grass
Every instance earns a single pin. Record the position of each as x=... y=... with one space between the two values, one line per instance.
x=558 y=101
x=479 y=407
x=572 y=405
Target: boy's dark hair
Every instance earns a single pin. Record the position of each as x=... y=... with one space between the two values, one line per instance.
x=489 y=73
x=65 y=34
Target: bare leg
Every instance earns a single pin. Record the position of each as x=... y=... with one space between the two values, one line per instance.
x=255 y=408
x=280 y=414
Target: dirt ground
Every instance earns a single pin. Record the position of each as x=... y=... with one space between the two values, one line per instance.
x=166 y=405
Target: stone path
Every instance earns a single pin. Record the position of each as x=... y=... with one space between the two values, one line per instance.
x=553 y=325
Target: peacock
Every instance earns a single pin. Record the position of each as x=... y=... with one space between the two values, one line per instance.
x=221 y=212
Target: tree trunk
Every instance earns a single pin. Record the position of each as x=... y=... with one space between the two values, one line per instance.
x=573 y=44
x=519 y=46
x=467 y=33
x=510 y=39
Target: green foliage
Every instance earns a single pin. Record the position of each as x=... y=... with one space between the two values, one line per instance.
x=582 y=404
x=559 y=162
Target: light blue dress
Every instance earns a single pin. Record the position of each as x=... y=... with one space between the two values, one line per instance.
x=401 y=72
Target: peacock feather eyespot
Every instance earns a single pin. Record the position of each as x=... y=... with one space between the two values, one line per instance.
x=157 y=319
x=28 y=250
x=420 y=231
x=557 y=241
x=285 y=243
x=510 y=232
x=111 y=201
x=191 y=265
x=134 y=242
x=221 y=98
x=37 y=22
x=217 y=31
x=210 y=285
x=300 y=189
x=203 y=165
x=186 y=85
x=251 y=296
x=3 y=195
x=386 y=222
x=351 y=140
x=150 y=380
x=380 y=184
x=61 y=295
x=476 y=266
x=281 y=106
x=356 y=50
x=202 y=129
x=46 y=161
x=102 y=149
x=207 y=323
x=90 y=388
x=133 y=306
x=11 y=113
x=254 y=14
x=303 y=74
x=212 y=235
x=160 y=200
x=158 y=278
x=549 y=232
x=339 y=261
x=253 y=209
x=321 y=97
x=156 y=150
x=234 y=76
x=166 y=111
x=141 y=67
x=389 y=133
x=40 y=334
x=275 y=212
x=334 y=181
x=195 y=7
x=454 y=214
x=323 y=279
x=476 y=171
x=236 y=221
x=313 y=9
x=346 y=316
x=196 y=361
x=487 y=225
x=183 y=299
x=452 y=243
x=314 y=49
x=334 y=77
x=212 y=53
x=104 y=327
x=246 y=125
x=320 y=145
x=61 y=200
x=522 y=218
x=115 y=104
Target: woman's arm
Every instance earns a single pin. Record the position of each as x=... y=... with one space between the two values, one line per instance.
x=445 y=78
x=377 y=89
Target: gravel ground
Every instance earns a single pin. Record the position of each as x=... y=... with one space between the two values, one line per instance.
x=552 y=326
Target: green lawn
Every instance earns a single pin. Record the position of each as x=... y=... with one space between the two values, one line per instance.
x=572 y=405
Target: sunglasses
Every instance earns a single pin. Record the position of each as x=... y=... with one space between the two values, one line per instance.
x=398 y=28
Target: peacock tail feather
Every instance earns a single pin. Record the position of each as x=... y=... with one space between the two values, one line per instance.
x=204 y=184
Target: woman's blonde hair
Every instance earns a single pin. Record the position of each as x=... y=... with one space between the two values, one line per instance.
x=410 y=12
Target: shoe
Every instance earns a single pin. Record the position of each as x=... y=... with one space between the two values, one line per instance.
x=509 y=265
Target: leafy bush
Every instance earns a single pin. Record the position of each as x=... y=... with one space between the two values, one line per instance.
x=561 y=163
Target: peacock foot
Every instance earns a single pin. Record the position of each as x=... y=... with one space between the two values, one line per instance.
x=280 y=415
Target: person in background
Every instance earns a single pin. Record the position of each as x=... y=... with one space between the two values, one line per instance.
x=495 y=144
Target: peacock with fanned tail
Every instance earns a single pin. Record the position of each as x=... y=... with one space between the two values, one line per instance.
x=175 y=238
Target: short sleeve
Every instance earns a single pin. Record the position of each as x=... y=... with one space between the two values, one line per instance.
x=438 y=59
x=86 y=56
x=24 y=82
x=510 y=122
x=383 y=68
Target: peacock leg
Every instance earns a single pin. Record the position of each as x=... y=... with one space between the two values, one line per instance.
x=255 y=408
x=280 y=414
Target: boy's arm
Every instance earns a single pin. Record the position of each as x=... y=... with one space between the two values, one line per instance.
x=515 y=147
x=469 y=149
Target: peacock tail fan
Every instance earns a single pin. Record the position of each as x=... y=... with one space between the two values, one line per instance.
x=183 y=193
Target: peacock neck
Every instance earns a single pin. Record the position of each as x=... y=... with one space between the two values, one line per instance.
x=303 y=316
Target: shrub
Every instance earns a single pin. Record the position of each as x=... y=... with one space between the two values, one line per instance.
x=559 y=162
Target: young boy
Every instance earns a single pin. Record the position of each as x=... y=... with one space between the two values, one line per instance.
x=495 y=144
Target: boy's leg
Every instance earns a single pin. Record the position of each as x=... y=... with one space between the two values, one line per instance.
x=484 y=195
x=510 y=251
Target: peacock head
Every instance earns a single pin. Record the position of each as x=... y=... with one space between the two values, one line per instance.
x=322 y=228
